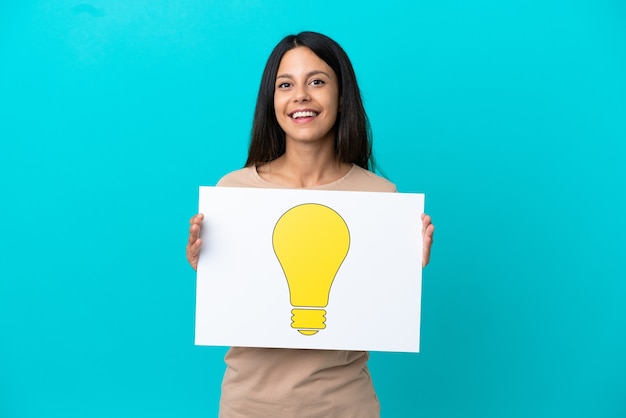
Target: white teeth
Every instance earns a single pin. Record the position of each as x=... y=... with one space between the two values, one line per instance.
x=304 y=114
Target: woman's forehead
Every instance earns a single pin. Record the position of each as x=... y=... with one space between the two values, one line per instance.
x=302 y=60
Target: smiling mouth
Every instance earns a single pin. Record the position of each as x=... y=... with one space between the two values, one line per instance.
x=304 y=114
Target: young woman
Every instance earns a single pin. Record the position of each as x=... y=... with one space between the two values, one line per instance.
x=310 y=131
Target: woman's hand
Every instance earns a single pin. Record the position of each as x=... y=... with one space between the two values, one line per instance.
x=427 y=235
x=194 y=242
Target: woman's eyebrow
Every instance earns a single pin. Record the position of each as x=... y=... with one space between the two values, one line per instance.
x=309 y=74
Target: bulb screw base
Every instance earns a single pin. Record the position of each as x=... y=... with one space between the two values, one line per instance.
x=308 y=321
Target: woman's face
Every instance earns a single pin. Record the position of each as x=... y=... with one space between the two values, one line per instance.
x=306 y=97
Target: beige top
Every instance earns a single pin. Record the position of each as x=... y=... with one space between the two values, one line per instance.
x=281 y=383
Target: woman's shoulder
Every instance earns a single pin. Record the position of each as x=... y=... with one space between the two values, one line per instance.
x=244 y=177
x=360 y=179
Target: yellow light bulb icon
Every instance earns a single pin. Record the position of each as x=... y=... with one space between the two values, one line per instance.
x=310 y=241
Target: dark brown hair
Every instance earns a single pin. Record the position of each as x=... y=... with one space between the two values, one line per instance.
x=353 y=141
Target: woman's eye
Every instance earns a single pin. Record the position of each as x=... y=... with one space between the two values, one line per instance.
x=284 y=85
x=317 y=82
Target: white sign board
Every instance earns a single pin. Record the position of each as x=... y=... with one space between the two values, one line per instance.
x=311 y=269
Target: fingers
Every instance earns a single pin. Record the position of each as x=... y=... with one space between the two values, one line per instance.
x=194 y=242
x=196 y=219
x=194 y=229
x=425 y=222
x=428 y=230
x=193 y=248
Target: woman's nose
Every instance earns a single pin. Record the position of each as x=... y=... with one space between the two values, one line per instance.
x=301 y=94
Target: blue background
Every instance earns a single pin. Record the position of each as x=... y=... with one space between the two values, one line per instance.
x=510 y=116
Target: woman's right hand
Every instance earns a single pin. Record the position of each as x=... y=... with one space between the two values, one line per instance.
x=194 y=242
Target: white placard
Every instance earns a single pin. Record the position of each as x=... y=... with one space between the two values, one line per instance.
x=246 y=295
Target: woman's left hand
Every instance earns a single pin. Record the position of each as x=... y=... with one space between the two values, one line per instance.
x=427 y=235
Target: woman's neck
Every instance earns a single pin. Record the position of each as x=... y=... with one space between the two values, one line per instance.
x=304 y=166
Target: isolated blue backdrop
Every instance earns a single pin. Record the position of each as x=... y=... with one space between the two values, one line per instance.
x=510 y=116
